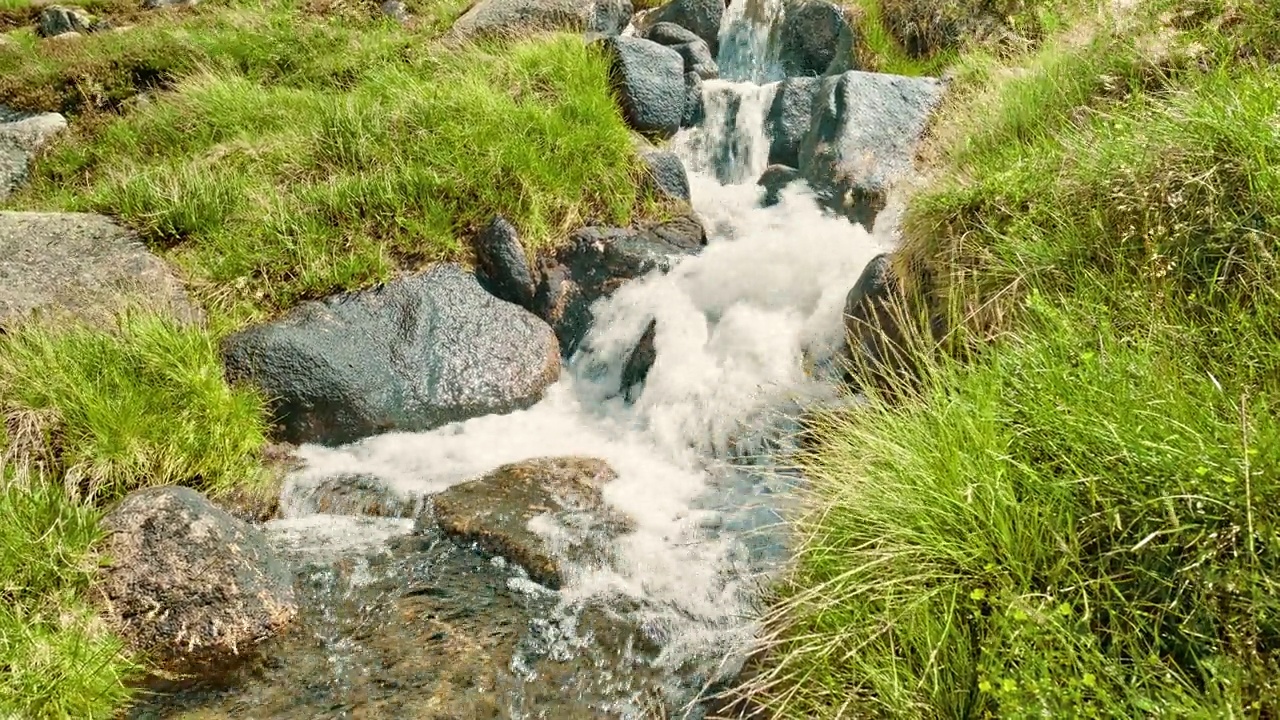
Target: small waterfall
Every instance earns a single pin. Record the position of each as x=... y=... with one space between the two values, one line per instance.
x=749 y=48
x=731 y=143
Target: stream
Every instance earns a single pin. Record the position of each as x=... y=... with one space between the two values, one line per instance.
x=398 y=621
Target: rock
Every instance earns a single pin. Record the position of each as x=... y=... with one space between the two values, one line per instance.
x=774 y=179
x=693 y=49
x=81 y=266
x=395 y=9
x=495 y=512
x=351 y=494
x=789 y=118
x=649 y=81
x=21 y=136
x=57 y=20
x=810 y=36
x=845 y=56
x=668 y=33
x=863 y=137
x=501 y=265
x=507 y=18
x=597 y=261
x=415 y=354
x=640 y=362
x=700 y=16
x=693 y=108
x=871 y=329
x=667 y=173
x=188 y=584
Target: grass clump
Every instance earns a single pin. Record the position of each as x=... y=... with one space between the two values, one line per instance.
x=57 y=659
x=114 y=411
x=1076 y=519
x=314 y=158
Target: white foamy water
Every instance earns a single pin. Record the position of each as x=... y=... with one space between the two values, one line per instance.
x=739 y=327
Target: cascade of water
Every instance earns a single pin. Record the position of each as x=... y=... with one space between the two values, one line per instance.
x=737 y=327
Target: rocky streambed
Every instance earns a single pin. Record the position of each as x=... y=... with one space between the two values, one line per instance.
x=530 y=491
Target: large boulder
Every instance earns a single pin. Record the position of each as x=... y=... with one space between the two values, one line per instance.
x=597 y=261
x=81 y=266
x=789 y=118
x=415 y=354
x=700 y=16
x=693 y=108
x=649 y=81
x=695 y=51
x=187 y=584
x=667 y=174
x=863 y=137
x=21 y=136
x=810 y=36
x=495 y=511
x=513 y=18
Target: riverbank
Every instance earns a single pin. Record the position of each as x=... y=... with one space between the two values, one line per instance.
x=1072 y=511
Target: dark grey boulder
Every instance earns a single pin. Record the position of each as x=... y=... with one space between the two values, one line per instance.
x=667 y=173
x=648 y=79
x=789 y=118
x=700 y=16
x=640 y=362
x=494 y=511
x=810 y=36
x=597 y=261
x=697 y=59
x=874 y=332
x=192 y=587
x=668 y=33
x=774 y=179
x=863 y=137
x=417 y=353
x=501 y=265
x=845 y=56
x=516 y=18
x=58 y=20
x=694 y=110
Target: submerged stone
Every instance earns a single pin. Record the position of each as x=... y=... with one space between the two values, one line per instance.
x=495 y=511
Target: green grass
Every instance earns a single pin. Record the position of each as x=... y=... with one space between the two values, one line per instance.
x=147 y=405
x=57 y=660
x=1074 y=517
x=294 y=158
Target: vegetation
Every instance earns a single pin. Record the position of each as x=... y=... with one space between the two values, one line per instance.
x=1073 y=516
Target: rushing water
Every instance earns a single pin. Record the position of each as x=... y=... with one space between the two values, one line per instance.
x=744 y=331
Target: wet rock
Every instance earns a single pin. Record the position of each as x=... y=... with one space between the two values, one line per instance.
x=501 y=265
x=495 y=513
x=693 y=49
x=58 y=20
x=597 y=261
x=789 y=118
x=188 y=584
x=863 y=137
x=774 y=180
x=668 y=33
x=351 y=494
x=639 y=362
x=845 y=56
x=395 y=9
x=872 y=331
x=417 y=353
x=514 y=18
x=21 y=136
x=81 y=266
x=810 y=36
x=649 y=81
x=693 y=108
x=667 y=173
x=702 y=17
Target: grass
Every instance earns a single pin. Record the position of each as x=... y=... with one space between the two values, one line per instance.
x=57 y=660
x=1074 y=517
x=292 y=159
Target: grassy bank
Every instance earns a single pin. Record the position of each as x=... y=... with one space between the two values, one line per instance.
x=274 y=152
x=1079 y=520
